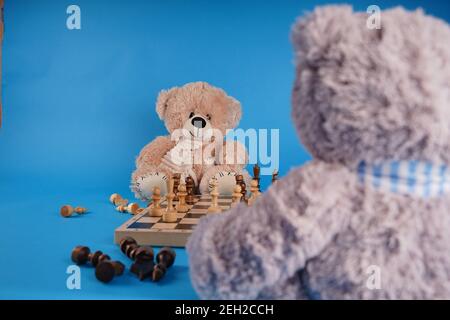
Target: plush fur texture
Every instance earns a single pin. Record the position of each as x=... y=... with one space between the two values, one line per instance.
x=360 y=94
x=174 y=107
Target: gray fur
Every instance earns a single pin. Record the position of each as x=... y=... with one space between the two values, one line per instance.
x=359 y=95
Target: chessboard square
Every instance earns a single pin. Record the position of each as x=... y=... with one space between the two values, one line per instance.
x=140 y=225
x=189 y=221
x=192 y=215
x=201 y=207
x=149 y=219
x=180 y=215
x=198 y=211
x=165 y=225
x=185 y=226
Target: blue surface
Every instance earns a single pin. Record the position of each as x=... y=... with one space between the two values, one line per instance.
x=79 y=105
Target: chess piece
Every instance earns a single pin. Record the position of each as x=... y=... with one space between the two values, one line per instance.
x=82 y=255
x=176 y=183
x=256 y=174
x=274 y=176
x=254 y=192
x=182 y=193
x=236 y=196
x=156 y=210
x=135 y=252
x=190 y=199
x=164 y=260
x=214 y=208
x=143 y=270
x=67 y=210
x=133 y=208
x=106 y=270
x=117 y=200
x=170 y=214
x=240 y=181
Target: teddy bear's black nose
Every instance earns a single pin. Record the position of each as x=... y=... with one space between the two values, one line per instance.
x=198 y=122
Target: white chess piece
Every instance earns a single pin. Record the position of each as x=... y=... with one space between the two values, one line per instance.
x=214 y=208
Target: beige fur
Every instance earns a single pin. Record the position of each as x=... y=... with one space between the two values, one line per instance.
x=174 y=107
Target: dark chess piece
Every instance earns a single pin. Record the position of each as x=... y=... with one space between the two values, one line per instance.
x=176 y=183
x=142 y=270
x=105 y=269
x=256 y=175
x=82 y=255
x=190 y=185
x=165 y=259
x=135 y=252
x=240 y=181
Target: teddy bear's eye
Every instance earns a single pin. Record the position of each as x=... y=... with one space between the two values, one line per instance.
x=191 y=115
x=208 y=117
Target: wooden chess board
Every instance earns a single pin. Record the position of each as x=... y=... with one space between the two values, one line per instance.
x=147 y=230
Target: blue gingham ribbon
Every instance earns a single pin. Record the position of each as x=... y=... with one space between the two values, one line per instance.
x=422 y=179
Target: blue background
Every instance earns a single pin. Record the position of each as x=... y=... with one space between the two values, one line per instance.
x=79 y=105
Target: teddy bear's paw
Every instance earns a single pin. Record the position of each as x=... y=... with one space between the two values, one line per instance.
x=144 y=184
x=226 y=181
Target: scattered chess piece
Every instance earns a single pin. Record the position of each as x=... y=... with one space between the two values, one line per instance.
x=82 y=255
x=133 y=208
x=155 y=209
x=117 y=200
x=254 y=192
x=106 y=270
x=190 y=199
x=274 y=176
x=182 y=193
x=164 y=260
x=143 y=270
x=236 y=196
x=132 y=250
x=170 y=214
x=214 y=208
x=256 y=174
x=67 y=210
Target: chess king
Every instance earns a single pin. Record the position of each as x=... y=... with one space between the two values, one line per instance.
x=197 y=116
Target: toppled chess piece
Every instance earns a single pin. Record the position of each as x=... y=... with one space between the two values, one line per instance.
x=164 y=260
x=105 y=269
x=132 y=208
x=143 y=256
x=67 y=210
x=117 y=200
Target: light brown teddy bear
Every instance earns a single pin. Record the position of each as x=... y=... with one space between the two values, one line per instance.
x=197 y=116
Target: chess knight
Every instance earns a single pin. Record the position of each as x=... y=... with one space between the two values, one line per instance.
x=197 y=116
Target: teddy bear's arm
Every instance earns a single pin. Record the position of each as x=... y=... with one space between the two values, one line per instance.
x=237 y=254
x=152 y=153
x=234 y=154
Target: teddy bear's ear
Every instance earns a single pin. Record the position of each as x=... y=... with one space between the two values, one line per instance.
x=314 y=33
x=235 y=107
x=162 y=102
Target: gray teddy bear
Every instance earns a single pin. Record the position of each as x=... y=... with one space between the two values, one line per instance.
x=369 y=216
